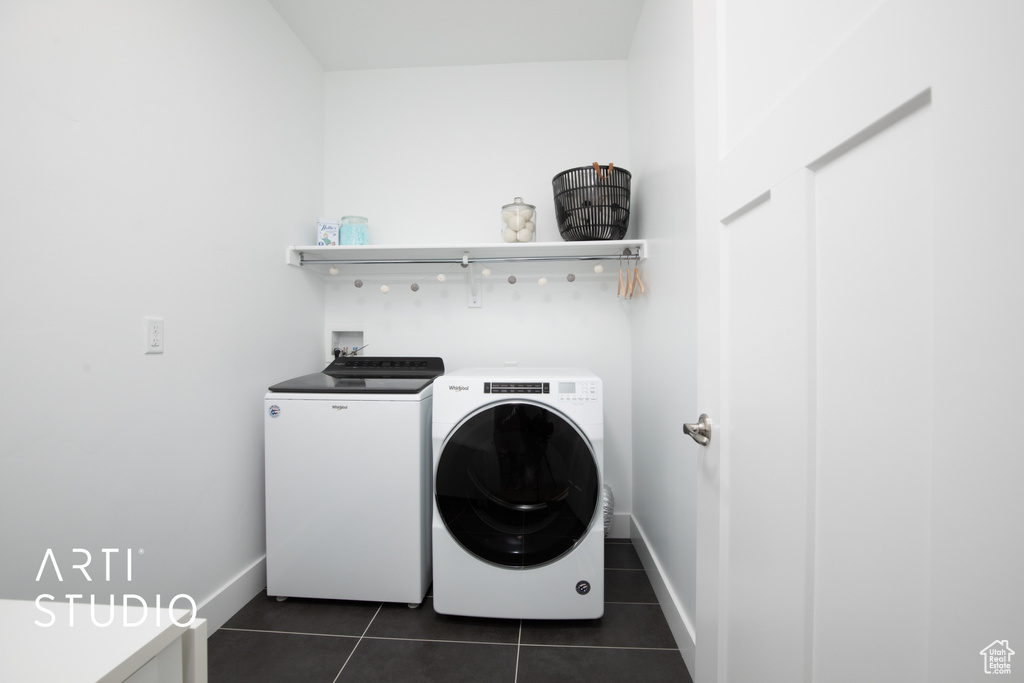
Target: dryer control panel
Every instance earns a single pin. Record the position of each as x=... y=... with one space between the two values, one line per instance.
x=517 y=387
x=577 y=392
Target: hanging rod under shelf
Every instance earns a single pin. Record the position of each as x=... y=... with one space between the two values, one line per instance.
x=390 y=255
x=462 y=261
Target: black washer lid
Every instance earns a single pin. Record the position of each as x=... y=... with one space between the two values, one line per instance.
x=385 y=366
x=367 y=375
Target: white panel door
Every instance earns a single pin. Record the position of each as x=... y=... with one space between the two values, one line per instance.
x=860 y=345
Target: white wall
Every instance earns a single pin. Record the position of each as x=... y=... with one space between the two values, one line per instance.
x=430 y=156
x=157 y=158
x=664 y=387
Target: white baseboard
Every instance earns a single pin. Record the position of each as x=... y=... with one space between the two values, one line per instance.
x=233 y=595
x=678 y=622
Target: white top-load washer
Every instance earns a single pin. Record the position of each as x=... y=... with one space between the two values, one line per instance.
x=348 y=480
x=518 y=473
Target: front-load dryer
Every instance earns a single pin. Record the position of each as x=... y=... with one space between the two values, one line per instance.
x=518 y=469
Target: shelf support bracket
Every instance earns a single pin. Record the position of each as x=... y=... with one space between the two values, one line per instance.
x=474 y=292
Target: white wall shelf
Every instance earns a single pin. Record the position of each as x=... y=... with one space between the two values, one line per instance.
x=372 y=254
x=363 y=259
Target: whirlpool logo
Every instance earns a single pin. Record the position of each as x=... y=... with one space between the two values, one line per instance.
x=457 y=387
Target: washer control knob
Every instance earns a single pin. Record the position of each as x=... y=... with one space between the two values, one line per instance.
x=583 y=587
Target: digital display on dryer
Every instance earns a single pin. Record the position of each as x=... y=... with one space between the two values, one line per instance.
x=517 y=388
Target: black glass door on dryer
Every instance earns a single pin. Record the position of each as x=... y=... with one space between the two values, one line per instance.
x=517 y=484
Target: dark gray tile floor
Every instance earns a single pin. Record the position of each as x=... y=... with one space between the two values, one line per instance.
x=337 y=641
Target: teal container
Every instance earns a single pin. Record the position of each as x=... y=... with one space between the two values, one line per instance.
x=354 y=231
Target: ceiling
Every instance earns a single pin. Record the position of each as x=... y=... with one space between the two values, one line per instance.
x=347 y=35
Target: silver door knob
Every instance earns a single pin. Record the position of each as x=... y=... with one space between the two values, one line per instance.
x=701 y=431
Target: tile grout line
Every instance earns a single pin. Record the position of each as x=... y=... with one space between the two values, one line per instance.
x=519 y=647
x=356 y=646
x=604 y=647
x=442 y=640
x=287 y=633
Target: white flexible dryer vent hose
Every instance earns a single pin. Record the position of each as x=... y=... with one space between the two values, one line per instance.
x=608 y=502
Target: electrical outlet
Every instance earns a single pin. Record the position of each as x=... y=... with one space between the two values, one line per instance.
x=154 y=328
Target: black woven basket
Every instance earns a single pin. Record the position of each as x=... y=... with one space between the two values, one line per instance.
x=592 y=206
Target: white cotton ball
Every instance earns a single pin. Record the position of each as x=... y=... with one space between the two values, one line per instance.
x=524 y=235
x=527 y=214
x=334 y=270
x=384 y=289
x=516 y=222
x=599 y=268
x=530 y=225
x=441 y=277
x=506 y=214
x=509 y=235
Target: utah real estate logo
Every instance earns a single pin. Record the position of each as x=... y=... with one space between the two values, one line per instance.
x=997 y=657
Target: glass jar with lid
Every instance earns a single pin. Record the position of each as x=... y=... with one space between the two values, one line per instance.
x=519 y=221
